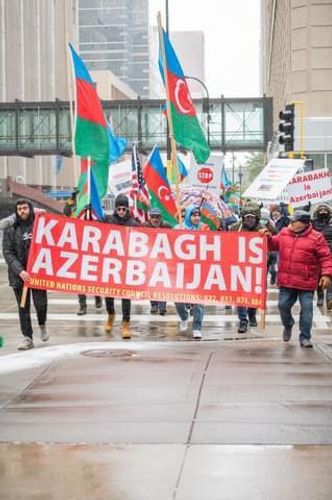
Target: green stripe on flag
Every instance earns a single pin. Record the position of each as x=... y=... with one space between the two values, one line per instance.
x=91 y=140
x=157 y=203
x=189 y=134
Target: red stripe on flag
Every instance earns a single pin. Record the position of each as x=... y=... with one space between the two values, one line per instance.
x=88 y=104
x=161 y=191
x=179 y=95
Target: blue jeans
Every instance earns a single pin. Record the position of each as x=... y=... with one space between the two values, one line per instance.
x=245 y=313
x=197 y=311
x=287 y=298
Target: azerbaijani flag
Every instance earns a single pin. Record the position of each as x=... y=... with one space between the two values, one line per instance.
x=186 y=128
x=160 y=192
x=210 y=215
x=91 y=128
x=83 y=198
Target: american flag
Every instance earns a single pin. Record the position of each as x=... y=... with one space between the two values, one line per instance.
x=139 y=192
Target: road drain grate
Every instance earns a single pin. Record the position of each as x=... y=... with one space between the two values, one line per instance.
x=109 y=353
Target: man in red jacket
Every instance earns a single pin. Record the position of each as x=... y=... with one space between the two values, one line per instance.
x=305 y=261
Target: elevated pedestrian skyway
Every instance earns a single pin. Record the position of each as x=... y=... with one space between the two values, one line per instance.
x=44 y=128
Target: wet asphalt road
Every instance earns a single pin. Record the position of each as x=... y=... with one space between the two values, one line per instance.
x=161 y=416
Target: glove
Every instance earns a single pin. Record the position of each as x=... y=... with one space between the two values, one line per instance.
x=324 y=282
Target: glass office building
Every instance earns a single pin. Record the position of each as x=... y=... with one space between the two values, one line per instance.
x=114 y=35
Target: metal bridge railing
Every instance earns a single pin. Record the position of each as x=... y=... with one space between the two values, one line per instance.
x=43 y=128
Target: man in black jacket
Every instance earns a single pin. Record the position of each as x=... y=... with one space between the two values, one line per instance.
x=156 y=220
x=322 y=222
x=121 y=216
x=16 y=246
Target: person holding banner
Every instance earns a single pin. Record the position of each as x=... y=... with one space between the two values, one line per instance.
x=192 y=221
x=249 y=221
x=305 y=261
x=155 y=220
x=16 y=246
x=69 y=211
x=121 y=216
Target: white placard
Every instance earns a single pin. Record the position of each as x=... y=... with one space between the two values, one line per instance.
x=273 y=179
x=206 y=175
x=314 y=186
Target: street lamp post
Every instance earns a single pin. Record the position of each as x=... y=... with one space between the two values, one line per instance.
x=168 y=142
x=207 y=103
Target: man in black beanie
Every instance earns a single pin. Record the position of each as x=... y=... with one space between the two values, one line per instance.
x=121 y=216
x=16 y=246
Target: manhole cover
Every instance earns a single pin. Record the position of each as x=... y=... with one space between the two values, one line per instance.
x=109 y=353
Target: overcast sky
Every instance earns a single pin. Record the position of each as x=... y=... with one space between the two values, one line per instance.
x=232 y=32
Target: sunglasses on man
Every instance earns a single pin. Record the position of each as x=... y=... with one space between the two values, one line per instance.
x=121 y=209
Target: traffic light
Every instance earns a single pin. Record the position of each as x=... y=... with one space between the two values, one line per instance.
x=286 y=127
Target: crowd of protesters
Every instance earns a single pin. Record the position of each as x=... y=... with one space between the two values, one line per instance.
x=299 y=262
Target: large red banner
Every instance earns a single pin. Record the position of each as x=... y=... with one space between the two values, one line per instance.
x=93 y=258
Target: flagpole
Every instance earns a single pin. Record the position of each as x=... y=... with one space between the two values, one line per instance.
x=72 y=110
x=169 y=119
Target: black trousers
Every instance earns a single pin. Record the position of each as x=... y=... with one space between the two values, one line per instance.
x=40 y=302
x=126 y=307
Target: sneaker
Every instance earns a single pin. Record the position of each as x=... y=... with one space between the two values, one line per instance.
x=162 y=311
x=243 y=326
x=44 y=335
x=125 y=330
x=253 y=322
x=81 y=311
x=109 y=323
x=329 y=305
x=154 y=309
x=183 y=326
x=287 y=333
x=98 y=302
x=27 y=343
x=306 y=343
x=197 y=334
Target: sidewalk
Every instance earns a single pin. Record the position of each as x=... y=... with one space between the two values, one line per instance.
x=169 y=420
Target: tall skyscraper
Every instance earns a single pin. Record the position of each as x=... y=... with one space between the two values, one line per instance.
x=34 y=67
x=296 y=66
x=296 y=54
x=114 y=35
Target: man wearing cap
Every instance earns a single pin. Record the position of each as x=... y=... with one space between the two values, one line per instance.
x=305 y=261
x=121 y=216
x=155 y=220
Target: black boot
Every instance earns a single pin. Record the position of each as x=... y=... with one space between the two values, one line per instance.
x=243 y=326
x=98 y=302
x=81 y=311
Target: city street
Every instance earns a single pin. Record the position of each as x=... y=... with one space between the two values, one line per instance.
x=161 y=416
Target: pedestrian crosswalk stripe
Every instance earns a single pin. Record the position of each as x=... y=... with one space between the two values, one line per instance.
x=217 y=319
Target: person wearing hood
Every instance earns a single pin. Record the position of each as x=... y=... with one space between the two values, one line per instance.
x=280 y=217
x=249 y=221
x=305 y=260
x=192 y=222
x=121 y=216
x=322 y=222
x=16 y=246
